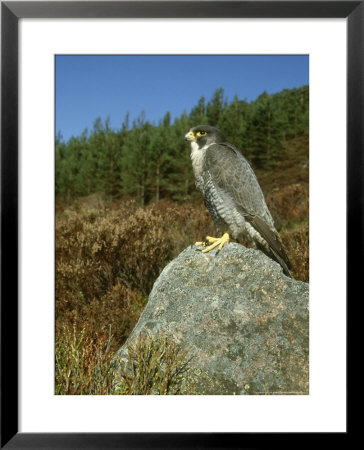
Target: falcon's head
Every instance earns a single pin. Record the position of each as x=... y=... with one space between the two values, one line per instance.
x=205 y=135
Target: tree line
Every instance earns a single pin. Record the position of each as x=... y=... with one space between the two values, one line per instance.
x=148 y=162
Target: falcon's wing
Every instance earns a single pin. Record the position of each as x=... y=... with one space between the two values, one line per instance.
x=231 y=172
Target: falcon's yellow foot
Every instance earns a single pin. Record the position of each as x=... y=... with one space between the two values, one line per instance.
x=215 y=242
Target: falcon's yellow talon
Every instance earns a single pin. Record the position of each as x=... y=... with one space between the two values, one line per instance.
x=212 y=239
x=222 y=243
x=216 y=242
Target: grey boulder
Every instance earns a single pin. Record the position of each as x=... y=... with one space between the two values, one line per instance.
x=244 y=322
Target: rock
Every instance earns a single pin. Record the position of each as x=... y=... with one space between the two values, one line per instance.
x=245 y=323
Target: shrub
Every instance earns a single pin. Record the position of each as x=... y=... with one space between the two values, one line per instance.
x=86 y=366
x=296 y=244
x=95 y=248
x=289 y=205
x=83 y=365
x=157 y=365
x=107 y=260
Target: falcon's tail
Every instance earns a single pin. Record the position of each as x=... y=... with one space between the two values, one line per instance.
x=281 y=259
x=285 y=263
x=276 y=250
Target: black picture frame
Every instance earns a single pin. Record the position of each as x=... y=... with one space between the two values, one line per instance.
x=11 y=12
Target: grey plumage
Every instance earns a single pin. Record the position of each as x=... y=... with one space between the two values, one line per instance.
x=232 y=193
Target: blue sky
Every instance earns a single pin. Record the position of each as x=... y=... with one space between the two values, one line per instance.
x=90 y=86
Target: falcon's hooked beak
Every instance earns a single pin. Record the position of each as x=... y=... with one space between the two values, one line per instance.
x=190 y=136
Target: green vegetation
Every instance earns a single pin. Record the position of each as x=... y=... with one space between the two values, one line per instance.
x=158 y=366
x=126 y=205
x=83 y=363
x=86 y=366
x=147 y=162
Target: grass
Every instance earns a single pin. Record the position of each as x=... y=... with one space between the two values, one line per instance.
x=83 y=364
x=158 y=366
x=86 y=366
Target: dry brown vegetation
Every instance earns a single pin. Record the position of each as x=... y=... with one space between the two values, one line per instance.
x=107 y=260
x=109 y=253
x=286 y=189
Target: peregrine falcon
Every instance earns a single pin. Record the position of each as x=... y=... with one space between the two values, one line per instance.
x=232 y=195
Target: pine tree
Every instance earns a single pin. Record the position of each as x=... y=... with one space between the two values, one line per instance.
x=136 y=160
x=233 y=122
x=264 y=133
x=180 y=183
x=215 y=107
x=198 y=113
x=161 y=145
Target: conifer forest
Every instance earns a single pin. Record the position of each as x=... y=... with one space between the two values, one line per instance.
x=149 y=162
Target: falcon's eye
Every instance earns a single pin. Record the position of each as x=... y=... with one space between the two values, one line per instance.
x=201 y=133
